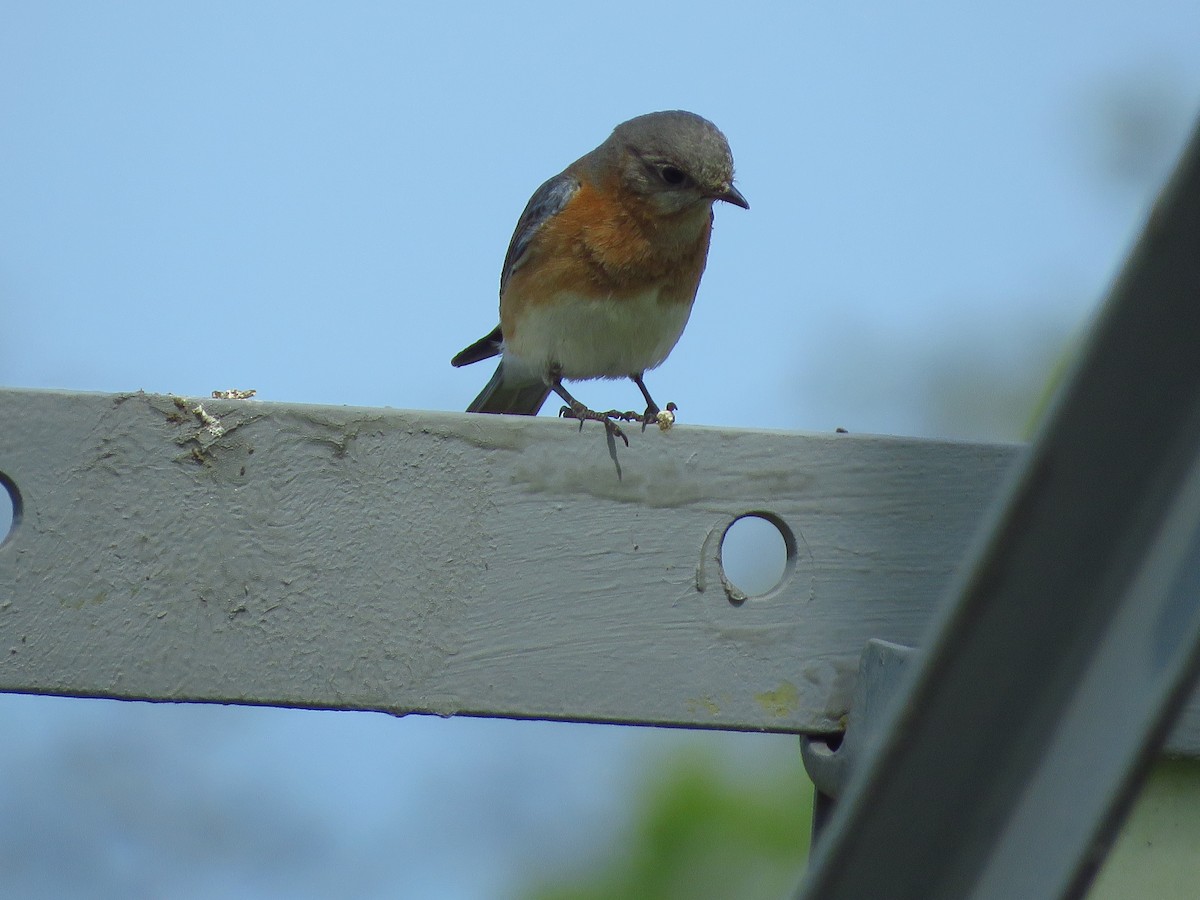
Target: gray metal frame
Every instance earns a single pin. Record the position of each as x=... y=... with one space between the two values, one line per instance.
x=1053 y=678
x=463 y=564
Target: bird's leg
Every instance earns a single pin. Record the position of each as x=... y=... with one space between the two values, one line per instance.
x=576 y=410
x=652 y=410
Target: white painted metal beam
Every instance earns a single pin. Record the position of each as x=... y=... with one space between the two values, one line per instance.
x=424 y=562
x=452 y=564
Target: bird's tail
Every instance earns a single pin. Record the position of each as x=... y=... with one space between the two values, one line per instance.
x=514 y=397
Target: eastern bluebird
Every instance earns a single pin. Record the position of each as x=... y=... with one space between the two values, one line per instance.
x=604 y=265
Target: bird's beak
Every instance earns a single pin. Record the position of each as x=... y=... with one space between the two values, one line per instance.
x=732 y=195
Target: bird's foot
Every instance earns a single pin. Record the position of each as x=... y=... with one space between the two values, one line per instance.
x=628 y=416
x=651 y=413
x=578 y=411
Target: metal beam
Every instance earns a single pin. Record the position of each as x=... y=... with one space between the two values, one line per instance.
x=347 y=558
x=1073 y=639
x=448 y=563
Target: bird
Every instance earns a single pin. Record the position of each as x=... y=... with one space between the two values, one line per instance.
x=604 y=265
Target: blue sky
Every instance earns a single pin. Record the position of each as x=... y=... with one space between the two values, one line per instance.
x=313 y=200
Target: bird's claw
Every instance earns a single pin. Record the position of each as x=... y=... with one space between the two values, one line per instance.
x=583 y=414
x=615 y=430
x=663 y=418
x=628 y=416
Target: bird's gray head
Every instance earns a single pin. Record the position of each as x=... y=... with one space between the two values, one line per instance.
x=675 y=160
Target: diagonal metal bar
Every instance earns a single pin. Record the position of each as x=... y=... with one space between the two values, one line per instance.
x=1014 y=753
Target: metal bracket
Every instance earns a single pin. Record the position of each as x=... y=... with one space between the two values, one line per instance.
x=831 y=760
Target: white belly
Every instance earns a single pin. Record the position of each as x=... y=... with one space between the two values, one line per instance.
x=597 y=338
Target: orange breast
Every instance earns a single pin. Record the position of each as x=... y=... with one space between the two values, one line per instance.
x=605 y=243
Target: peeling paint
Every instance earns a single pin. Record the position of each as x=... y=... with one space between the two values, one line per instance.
x=781 y=702
x=698 y=705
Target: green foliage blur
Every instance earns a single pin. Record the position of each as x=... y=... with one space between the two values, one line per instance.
x=704 y=831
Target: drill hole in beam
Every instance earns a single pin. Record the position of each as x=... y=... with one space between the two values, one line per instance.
x=758 y=552
x=10 y=508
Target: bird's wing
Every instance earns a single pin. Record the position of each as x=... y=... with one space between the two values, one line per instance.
x=546 y=202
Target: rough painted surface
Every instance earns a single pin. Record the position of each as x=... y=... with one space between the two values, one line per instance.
x=445 y=563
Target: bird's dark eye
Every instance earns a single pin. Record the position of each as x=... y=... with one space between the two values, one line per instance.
x=672 y=175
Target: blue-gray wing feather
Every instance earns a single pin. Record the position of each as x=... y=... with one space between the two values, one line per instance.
x=508 y=395
x=546 y=202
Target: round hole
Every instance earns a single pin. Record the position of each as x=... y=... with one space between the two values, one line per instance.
x=756 y=552
x=10 y=508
